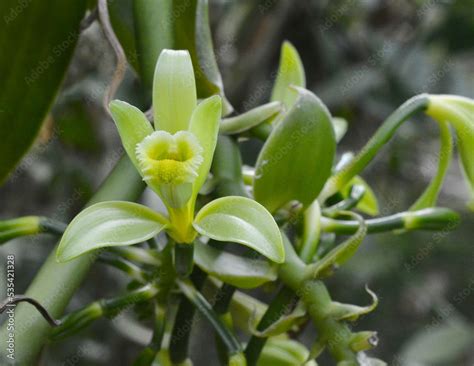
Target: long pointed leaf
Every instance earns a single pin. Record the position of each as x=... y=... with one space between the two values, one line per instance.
x=36 y=45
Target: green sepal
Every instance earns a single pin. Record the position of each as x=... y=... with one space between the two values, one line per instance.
x=174 y=91
x=244 y=221
x=107 y=224
x=132 y=125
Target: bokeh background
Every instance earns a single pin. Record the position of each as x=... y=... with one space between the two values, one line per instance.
x=363 y=58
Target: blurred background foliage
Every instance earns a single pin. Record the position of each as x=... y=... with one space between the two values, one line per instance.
x=363 y=58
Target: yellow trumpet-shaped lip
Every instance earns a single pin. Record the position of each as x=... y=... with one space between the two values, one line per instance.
x=169 y=159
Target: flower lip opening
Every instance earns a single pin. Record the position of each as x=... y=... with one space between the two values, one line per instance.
x=169 y=159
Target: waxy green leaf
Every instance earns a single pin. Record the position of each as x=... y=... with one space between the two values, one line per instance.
x=107 y=224
x=244 y=221
x=132 y=125
x=204 y=125
x=238 y=271
x=290 y=73
x=174 y=91
x=37 y=40
x=153 y=33
x=296 y=160
x=192 y=32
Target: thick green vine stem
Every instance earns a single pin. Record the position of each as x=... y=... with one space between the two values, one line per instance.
x=183 y=322
x=368 y=152
x=334 y=334
x=55 y=283
x=436 y=218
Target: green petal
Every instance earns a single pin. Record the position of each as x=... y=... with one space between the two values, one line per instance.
x=290 y=72
x=132 y=126
x=244 y=221
x=107 y=224
x=205 y=126
x=174 y=91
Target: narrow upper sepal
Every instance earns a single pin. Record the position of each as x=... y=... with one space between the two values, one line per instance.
x=174 y=91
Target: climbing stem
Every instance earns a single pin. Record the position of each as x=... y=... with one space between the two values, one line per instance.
x=380 y=138
x=56 y=282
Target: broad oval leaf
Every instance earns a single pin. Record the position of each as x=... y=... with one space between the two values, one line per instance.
x=106 y=224
x=204 y=125
x=233 y=269
x=174 y=91
x=290 y=73
x=132 y=125
x=244 y=221
x=297 y=158
x=37 y=40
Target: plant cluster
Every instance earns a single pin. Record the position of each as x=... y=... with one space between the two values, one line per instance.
x=300 y=214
